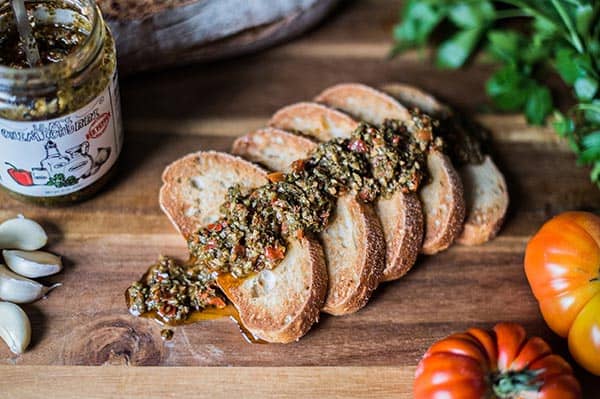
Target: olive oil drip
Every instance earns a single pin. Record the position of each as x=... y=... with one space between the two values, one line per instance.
x=207 y=314
x=252 y=234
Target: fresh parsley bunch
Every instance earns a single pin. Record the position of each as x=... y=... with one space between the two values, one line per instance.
x=560 y=35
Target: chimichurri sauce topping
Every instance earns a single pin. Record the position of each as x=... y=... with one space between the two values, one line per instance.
x=255 y=226
x=465 y=142
x=172 y=292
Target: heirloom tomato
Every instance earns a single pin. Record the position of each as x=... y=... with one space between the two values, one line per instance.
x=498 y=364
x=562 y=263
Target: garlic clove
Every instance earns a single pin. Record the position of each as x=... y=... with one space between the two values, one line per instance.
x=32 y=264
x=18 y=289
x=22 y=233
x=15 y=328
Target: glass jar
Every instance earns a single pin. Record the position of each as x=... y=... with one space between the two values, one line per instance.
x=60 y=122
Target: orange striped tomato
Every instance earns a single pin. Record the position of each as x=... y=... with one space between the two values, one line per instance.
x=502 y=364
x=562 y=263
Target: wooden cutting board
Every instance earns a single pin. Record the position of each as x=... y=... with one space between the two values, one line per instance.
x=109 y=241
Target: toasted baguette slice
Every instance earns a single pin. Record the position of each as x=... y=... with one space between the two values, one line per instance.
x=314 y=120
x=487 y=202
x=401 y=216
x=278 y=305
x=413 y=97
x=442 y=198
x=353 y=240
x=485 y=189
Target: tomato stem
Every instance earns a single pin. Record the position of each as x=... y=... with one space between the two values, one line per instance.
x=508 y=385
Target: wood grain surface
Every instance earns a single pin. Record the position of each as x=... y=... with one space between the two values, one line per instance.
x=110 y=240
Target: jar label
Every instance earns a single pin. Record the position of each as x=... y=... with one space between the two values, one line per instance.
x=61 y=156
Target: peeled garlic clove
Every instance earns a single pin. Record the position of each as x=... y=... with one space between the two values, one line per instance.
x=18 y=289
x=22 y=233
x=32 y=264
x=15 y=328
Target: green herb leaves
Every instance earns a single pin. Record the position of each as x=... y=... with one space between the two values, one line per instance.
x=471 y=15
x=421 y=19
x=552 y=34
x=472 y=18
x=454 y=52
x=538 y=104
x=59 y=180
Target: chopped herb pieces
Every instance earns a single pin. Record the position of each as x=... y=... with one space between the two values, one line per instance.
x=255 y=226
x=172 y=291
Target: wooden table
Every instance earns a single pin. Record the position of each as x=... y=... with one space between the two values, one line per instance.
x=109 y=241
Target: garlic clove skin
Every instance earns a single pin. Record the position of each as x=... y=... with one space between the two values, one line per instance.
x=32 y=264
x=22 y=233
x=15 y=327
x=18 y=289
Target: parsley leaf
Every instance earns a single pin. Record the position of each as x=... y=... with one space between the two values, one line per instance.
x=454 y=52
x=538 y=105
x=562 y=35
x=471 y=15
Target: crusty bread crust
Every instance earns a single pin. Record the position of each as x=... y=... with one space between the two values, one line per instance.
x=355 y=284
x=373 y=106
x=278 y=305
x=363 y=102
x=126 y=10
x=314 y=120
x=353 y=240
x=487 y=201
x=485 y=191
x=403 y=225
x=443 y=204
x=413 y=97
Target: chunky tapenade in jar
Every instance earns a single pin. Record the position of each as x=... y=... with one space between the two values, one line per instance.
x=60 y=123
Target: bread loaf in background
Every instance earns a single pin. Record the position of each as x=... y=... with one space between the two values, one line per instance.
x=152 y=34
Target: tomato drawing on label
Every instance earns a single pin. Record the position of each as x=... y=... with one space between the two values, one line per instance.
x=60 y=170
x=99 y=126
x=21 y=176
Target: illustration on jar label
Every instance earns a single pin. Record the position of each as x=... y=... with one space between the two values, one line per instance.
x=63 y=155
x=60 y=170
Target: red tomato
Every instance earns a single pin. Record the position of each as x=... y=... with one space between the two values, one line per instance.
x=502 y=363
x=562 y=263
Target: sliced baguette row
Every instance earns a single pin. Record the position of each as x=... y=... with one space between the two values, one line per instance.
x=442 y=198
x=363 y=244
x=486 y=194
x=353 y=240
x=401 y=216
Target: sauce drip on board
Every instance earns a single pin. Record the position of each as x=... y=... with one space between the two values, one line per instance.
x=210 y=314
x=169 y=270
